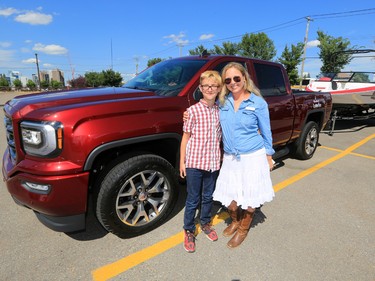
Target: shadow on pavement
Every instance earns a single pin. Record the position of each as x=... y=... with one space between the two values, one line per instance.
x=94 y=229
x=346 y=126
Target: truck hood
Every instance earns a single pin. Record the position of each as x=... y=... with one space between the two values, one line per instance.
x=26 y=103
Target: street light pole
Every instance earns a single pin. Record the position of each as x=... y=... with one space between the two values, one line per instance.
x=37 y=69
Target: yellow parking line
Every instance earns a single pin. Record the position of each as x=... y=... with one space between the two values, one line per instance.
x=352 y=153
x=307 y=172
x=364 y=156
x=111 y=270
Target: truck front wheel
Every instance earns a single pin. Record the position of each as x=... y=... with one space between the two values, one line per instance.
x=307 y=142
x=136 y=195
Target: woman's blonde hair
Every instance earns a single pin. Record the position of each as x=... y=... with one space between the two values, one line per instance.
x=211 y=74
x=249 y=84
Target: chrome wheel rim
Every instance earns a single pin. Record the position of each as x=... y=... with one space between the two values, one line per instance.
x=142 y=198
x=311 y=141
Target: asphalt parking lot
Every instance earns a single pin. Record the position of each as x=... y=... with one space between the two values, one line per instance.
x=320 y=226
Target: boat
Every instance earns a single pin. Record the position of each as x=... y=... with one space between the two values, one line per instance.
x=353 y=93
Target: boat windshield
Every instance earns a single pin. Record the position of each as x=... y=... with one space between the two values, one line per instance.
x=356 y=77
x=166 y=78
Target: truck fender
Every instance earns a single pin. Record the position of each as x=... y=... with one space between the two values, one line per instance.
x=118 y=143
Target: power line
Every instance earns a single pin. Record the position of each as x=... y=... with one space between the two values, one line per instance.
x=348 y=12
x=286 y=25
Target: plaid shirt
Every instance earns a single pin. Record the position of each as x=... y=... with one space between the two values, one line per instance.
x=203 y=148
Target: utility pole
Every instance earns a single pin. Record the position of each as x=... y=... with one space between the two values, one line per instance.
x=180 y=45
x=304 y=51
x=136 y=64
x=72 y=69
x=37 y=69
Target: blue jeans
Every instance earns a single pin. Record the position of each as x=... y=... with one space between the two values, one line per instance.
x=200 y=187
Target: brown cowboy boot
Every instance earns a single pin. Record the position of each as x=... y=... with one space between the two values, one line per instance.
x=242 y=230
x=236 y=217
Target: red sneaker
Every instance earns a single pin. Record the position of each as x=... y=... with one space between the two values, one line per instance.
x=209 y=231
x=189 y=242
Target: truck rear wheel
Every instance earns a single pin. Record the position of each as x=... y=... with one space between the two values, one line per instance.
x=136 y=195
x=307 y=142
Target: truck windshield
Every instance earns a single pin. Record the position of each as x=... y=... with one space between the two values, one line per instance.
x=167 y=78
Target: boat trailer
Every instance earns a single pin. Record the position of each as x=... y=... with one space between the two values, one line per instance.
x=368 y=114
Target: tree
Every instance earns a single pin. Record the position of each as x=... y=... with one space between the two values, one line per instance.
x=56 y=85
x=198 y=50
x=153 y=61
x=4 y=84
x=111 y=78
x=361 y=78
x=228 y=48
x=79 y=82
x=31 y=85
x=332 y=52
x=290 y=59
x=257 y=46
x=17 y=84
x=44 y=84
x=94 y=79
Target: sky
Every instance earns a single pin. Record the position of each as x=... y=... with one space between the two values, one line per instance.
x=81 y=36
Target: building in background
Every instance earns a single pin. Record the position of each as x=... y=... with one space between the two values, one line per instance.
x=45 y=75
x=24 y=80
x=13 y=75
x=55 y=75
x=34 y=78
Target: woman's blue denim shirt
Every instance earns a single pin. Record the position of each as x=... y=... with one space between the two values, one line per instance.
x=248 y=129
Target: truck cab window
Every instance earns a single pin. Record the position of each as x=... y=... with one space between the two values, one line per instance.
x=270 y=87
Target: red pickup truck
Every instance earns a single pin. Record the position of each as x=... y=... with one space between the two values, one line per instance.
x=121 y=145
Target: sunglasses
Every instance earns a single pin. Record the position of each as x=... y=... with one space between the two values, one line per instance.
x=235 y=79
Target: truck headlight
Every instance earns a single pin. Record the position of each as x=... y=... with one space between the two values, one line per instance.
x=42 y=139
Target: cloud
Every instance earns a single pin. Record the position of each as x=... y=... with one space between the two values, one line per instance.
x=28 y=17
x=177 y=39
x=8 y=12
x=50 y=49
x=6 y=58
x=206 y=36
x=313 y=43
x=5 y=44
x=5 y=54
x=34 y=18
x=25 y=50
x=31 y=60
x=47 y=65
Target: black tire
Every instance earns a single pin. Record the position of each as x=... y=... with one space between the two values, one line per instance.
x=136 y=195
x=307 y=142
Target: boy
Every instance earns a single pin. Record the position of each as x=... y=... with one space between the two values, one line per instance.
x=200 y=157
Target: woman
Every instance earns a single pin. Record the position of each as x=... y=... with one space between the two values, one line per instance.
x=244 y=182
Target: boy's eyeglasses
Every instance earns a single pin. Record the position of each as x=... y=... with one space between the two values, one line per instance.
x=206 y=87
x=235 y=79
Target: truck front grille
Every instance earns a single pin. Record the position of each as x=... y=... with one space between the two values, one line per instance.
x=10 y=137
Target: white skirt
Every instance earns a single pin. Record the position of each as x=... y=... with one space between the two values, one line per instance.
x=246 y=180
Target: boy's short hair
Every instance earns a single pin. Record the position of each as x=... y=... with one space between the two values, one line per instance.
x=211 y=74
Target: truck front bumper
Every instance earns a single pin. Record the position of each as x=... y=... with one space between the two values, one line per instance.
x=62 y=207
